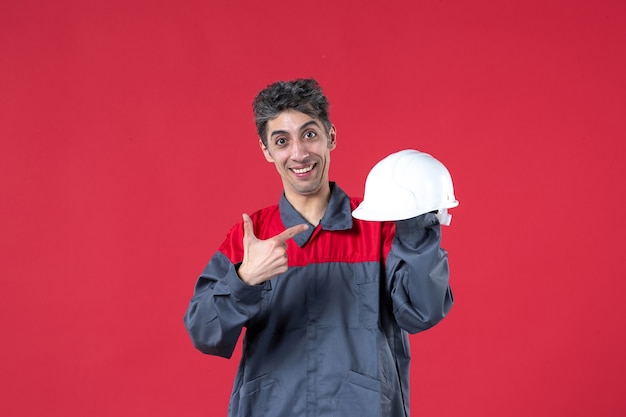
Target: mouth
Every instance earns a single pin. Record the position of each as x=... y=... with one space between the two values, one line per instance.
x=303 y=170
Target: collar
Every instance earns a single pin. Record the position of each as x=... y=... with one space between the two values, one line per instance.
x=338 y=215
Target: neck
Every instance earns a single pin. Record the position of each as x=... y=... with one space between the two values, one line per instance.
x=311 y=207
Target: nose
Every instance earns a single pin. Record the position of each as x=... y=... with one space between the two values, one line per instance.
x=299 y=152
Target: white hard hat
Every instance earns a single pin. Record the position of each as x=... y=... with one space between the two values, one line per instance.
x=406 y=184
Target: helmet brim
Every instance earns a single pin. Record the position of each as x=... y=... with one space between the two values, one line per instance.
x=366 y=212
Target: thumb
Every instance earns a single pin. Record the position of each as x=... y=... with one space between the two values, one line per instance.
x=248 y=227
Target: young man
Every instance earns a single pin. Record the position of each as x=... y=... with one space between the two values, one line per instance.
x=327 y=300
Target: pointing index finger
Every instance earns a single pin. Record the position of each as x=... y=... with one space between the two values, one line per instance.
x=287 y=234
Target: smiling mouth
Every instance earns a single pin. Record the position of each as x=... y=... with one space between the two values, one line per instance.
x=303 y=170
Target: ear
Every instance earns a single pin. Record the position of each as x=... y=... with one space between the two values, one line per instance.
x=266 y=152
x=332 y=138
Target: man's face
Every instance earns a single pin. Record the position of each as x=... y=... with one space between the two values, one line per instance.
x=300 y=148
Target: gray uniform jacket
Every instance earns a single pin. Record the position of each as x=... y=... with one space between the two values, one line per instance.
x=329 y=336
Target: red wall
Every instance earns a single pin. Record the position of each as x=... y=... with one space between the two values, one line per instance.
x=128 y=150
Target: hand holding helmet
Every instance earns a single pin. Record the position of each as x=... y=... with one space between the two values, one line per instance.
x=407 y=184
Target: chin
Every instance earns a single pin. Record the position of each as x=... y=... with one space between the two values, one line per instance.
x=308 y=190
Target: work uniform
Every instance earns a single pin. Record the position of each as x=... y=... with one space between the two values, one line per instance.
x=329 y=336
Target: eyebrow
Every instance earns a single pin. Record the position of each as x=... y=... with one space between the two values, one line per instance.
x=303 y=127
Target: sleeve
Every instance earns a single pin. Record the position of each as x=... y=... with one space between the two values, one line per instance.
x=418 y=274
x=221 y=306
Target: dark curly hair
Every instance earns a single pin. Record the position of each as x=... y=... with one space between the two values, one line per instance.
x=303 y=95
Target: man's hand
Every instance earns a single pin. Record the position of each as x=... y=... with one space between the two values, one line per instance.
x=264 y=259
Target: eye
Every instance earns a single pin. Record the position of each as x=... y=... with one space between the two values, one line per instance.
x=310 y=134
x=280 y=141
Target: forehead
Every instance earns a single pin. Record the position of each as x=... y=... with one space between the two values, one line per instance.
x=291 y=121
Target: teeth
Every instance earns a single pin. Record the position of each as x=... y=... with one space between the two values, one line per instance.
x=302 y=170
